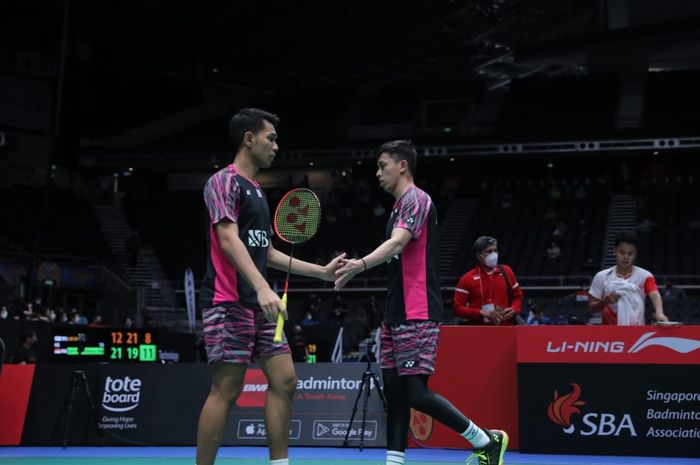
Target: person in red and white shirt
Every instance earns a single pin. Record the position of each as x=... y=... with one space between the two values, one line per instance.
x=482 y=295
x=603 y=299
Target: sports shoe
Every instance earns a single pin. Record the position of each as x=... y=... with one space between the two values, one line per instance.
x=492 y=454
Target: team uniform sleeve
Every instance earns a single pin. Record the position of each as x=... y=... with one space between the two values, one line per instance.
x=597 y=289
x=222 y=198
x=412 y=214
x=463 y=299
x=517 y=302
x=650 y=285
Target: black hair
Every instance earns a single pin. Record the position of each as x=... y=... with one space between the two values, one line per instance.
x=484 y=241
x=401 y=150
x=627 y=237
x=249 y=119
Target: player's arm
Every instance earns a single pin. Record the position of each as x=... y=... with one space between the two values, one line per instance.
x=461 y=302
x=389 y=248
x=597 y=298
x=658 y=304
x=237 y=254
x=280 y=261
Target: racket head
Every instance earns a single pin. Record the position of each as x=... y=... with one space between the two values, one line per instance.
x=297 y=216
x=668 y=323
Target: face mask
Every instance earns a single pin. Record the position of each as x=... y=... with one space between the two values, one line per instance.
x=3 y=314
x=491 y=260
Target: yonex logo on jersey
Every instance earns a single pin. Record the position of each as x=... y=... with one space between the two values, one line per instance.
x=410 y=363
x=410 y=220
x=257 y=238
x=247 y=192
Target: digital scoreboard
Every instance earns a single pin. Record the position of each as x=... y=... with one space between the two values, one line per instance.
x=90 y=344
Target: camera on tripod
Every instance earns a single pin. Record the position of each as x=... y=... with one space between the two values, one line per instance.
x=82 y=341
x=368 y=345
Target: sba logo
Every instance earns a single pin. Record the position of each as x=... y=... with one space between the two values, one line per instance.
x=564 y=406
x=257 y=238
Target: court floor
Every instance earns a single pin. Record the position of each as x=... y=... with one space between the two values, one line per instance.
x=298 y=456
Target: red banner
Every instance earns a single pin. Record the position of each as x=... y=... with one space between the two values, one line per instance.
x=15 y=384
x=672 y=345
x=476 y=371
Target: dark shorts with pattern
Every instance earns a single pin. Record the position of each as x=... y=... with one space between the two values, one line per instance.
x=234 y=333
x=410 y=347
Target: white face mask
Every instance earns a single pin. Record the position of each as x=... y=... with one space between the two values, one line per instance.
x=491 y=260
x=3 y=314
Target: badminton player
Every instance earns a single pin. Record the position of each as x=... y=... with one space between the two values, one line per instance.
x=409 y=332
x=239 y=309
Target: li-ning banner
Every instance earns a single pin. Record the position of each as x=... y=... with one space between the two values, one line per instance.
x=160 y=405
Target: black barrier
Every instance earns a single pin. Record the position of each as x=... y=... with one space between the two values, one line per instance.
x=611 y=409
x=159 y=405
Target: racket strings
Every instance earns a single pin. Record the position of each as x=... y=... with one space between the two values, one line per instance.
x=297 y=217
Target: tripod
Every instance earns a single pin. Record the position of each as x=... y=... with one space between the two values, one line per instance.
x=78 y=381
x=365 y=390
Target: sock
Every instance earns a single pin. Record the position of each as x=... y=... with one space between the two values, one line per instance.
x=476 y=436
x=279 y=462
x=394 y=457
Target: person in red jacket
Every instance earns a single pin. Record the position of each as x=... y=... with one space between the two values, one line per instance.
x=489 y=294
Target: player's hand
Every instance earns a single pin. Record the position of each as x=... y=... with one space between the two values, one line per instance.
x=494 y=316
x=271 y=304
x=347 y=271
x=332 y=266
x=612 y=297
x=659 y=316
x=507 y=313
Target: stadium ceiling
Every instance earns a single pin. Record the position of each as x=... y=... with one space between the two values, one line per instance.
x=243 y=48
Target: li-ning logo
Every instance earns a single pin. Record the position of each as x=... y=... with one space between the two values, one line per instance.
x=121 y=394
x=257 y=238
x=562 y=408
x=677 y=344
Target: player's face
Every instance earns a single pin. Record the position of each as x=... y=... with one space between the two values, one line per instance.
x=264 y=148
x=625 y=254
x=388 y=172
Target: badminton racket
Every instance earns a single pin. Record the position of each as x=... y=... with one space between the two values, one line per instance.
x=296 y=221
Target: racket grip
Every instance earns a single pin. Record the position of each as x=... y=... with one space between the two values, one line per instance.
x=280 y=322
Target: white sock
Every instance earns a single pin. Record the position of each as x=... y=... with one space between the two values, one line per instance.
x=394 y=457
x=476 y=436
x=279 y=462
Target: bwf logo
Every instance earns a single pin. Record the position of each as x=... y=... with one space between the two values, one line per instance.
x=257 y=238
x=121 y=394
x=564 y=406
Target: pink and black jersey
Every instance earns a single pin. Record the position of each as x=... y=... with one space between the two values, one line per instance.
x=229 y=195
x=414 y=283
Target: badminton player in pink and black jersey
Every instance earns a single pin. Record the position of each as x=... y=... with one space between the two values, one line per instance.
x=239 y=309
x=409 y=332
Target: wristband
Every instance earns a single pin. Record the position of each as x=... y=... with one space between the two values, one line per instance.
x=364 y=263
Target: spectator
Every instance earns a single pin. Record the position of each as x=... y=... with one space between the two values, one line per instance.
x=97 y=321
x=646 y=225
x=300 y=351
x=25 y=353
x=553 y=252
x=672 y=293
x=619 y=292
x=537 y=317
x=560 y=229
x=309 y=319
x=488 y=294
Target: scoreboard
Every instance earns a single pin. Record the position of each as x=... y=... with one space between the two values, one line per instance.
x=103 y=344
